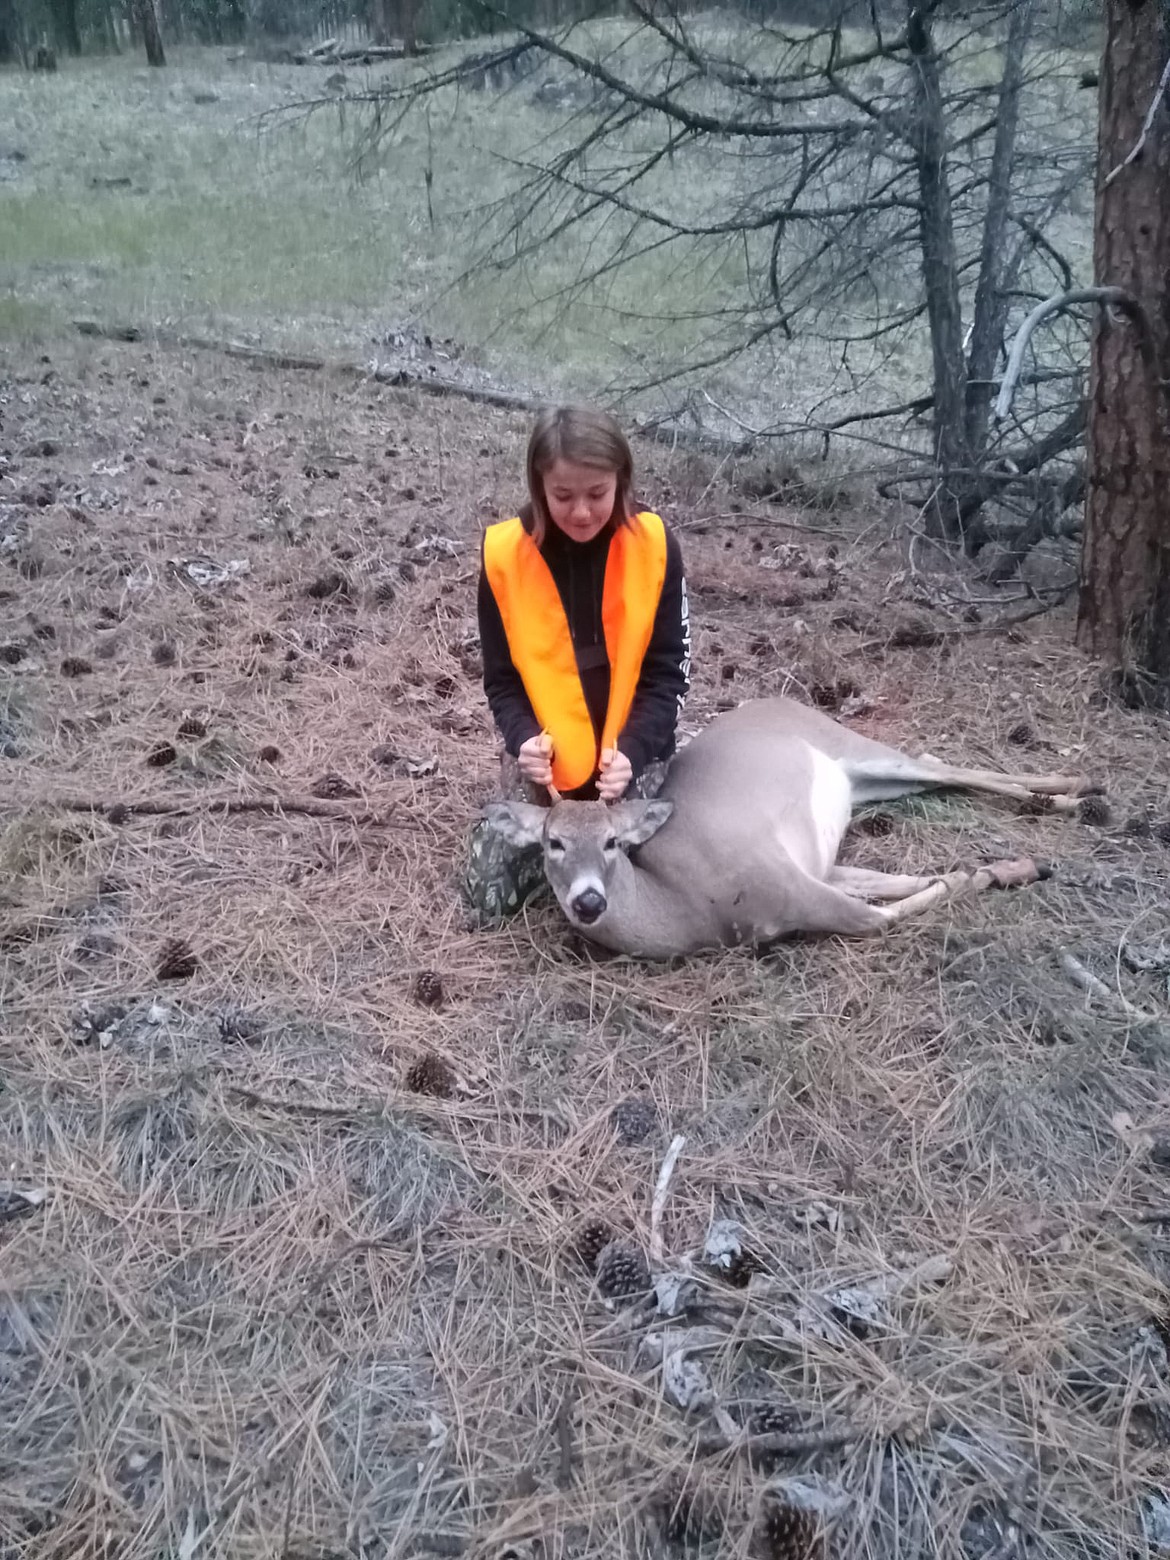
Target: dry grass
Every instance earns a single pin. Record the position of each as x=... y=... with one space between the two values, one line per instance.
x=202 y=197
x=274 y=1303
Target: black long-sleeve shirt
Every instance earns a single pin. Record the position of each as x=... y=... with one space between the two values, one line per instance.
x=578 y=568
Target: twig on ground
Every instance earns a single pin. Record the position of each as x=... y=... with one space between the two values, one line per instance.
x=303 y=1107
x=734 y=517
x=273 y=805
x=1096 y=987
x=797 y=1441
x=564 y=1426
x=660 y=1195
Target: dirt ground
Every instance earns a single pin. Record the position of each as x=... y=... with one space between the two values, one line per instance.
x=268 y=1286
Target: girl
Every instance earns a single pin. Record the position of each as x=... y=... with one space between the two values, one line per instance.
x=585 y=637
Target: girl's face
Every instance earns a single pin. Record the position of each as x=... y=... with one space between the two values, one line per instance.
x=580 y=499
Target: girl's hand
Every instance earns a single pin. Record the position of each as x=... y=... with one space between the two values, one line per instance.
x=614 y=774
x=535 y=759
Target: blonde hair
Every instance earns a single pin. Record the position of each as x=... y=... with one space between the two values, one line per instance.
x=587 y=437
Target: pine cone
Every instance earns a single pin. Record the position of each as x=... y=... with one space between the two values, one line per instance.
x=431 y=1075
x=622 y=1273
x=192 y=726
x=177 y=961
x=770 y=1419
x=427 y=988
x=590 y=1241
x=787 y=1532
x=633 y=1121
x=385 y=592
x=738 y=1272
x=773 y=1419
x=687 y=1510
x=1022 y=734
x=1093 y=810
x=325 y=585
x=161 y=754
x=877 y=825
x=332 y=787
x=1138 y=827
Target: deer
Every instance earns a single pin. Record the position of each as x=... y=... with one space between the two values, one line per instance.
x=740 y=845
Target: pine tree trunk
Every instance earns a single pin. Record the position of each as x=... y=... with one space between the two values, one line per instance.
x=7 y=31
x=1125 y=581
x=151 y=37
x=940 y=274
x=378 y=21
x=66 y=32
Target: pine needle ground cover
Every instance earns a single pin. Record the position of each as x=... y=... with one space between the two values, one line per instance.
x=312 y=1191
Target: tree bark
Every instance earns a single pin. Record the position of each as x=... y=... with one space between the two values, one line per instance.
x=991 y=301
x=393 y=21
x=151 y=36
x=1125 y=583
x=8 y=48
x=940 y=273
x=66 y=32
x=378 y=21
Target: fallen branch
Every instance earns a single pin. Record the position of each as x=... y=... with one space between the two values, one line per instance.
x=825 y=1438
x=793 y=1442
x=1002 y=625
x=396 y=378
x=564 y=1427
x=334 y=53
x=659 y=1203
x=1095 y=987
x=119 y=812
x=308 y=1108
x=741 y=517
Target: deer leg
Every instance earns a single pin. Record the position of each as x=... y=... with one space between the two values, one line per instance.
x=861 y=883
x=1060 y=787
x=882 y=779
x=1001 y=874
x=809 y=905
x=915 y=904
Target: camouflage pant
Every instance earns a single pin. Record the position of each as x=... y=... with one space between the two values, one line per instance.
x=501 y=877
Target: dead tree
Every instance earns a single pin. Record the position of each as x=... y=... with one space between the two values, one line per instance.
x=866 y=186
x=1125 y=590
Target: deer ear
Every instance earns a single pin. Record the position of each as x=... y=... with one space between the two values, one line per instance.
x=635 y=822
x=520 y=823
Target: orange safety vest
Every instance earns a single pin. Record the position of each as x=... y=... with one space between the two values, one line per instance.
x=542 y=648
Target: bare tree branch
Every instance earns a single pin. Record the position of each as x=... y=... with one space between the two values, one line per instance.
x=1105 y=296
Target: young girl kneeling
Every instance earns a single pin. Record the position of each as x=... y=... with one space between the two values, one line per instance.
x=586 y=641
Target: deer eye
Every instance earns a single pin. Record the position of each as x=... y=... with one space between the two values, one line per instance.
x=610 y=843
x=555 y=847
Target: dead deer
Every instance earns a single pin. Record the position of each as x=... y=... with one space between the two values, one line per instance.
x=741 y=845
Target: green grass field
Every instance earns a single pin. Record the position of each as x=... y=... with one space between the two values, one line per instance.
x=199 y=198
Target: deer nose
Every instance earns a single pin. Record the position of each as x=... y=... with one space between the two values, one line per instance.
x=588 y=905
